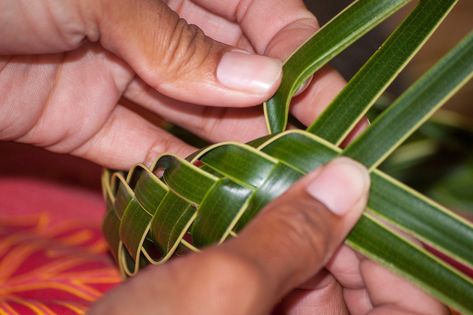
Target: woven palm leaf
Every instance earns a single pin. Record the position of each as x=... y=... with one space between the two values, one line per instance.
x=179 y=205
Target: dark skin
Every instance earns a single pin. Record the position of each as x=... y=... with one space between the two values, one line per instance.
x=65 y=65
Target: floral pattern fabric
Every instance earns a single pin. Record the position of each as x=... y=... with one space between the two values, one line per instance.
x=53 y=258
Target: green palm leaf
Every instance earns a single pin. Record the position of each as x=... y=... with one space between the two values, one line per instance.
x=415 y=106
x=330 y=40
x=382 y=68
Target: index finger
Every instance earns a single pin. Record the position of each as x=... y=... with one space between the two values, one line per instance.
x=268 y=23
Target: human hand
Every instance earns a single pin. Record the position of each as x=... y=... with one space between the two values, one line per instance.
x=65 y=66
x=281 y=254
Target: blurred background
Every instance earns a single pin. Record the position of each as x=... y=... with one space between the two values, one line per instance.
x=435 y=159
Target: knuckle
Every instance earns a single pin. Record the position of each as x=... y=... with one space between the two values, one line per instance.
x=231 y=270
x=67 y=23
x=211 y=121
x=218 y=269
x=158 y=147
x=21 y=110
x=296 y=31
x=310 y=21
x=186 y=49
x=302 y=229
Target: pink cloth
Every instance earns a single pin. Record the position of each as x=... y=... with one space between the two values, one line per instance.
x=52 y=255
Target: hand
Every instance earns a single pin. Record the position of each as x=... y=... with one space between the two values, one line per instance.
x=280 y=254
x=67 y=67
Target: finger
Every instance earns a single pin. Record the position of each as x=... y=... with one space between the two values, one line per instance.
x=390 y=294
x=294 y=237
x=58 y=101
x=345 y=267
x=126 y=139
x=38 y=27
x=323 y=295
x=173 y=56
x=212 y=123
x=215 y=124
x=342 y=291
x=213 y=25
x=356 y=131
x=325 y=85
x=357 y=301
x=287 y=17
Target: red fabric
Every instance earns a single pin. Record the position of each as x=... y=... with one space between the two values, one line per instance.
x=52 y=255
x=53 y=258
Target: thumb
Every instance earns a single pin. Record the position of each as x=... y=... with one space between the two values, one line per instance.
x=294 y=237
x=174 y=57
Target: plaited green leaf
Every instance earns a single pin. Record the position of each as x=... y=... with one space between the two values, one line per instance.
x=170 y=220
x=365 y=239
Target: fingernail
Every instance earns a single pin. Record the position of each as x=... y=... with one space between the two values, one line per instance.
x=339 y=185
x=248 y=72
